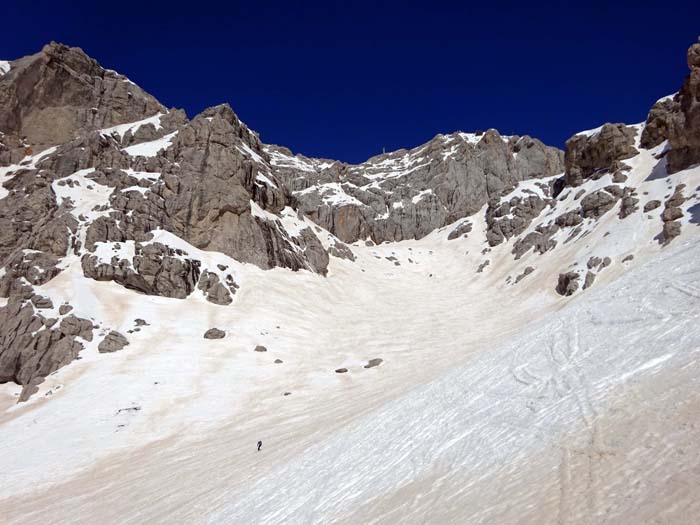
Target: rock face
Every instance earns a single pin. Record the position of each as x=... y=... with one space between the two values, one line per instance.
x=155 y=269
x=595 y=204
x=46 y=98
x=588 y=154
x=32 y=347
x=408 y=194
x=684 y=128
x=659 y=122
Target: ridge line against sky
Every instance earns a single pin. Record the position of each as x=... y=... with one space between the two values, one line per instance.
x=343 y=81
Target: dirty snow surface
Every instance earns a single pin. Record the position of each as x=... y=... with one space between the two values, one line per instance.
x=588 y=414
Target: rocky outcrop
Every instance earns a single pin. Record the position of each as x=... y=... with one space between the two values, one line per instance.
x=155 y=269
x=671 y=215
x=506 y=219
x=659 y=122
x=588 y=154
x=628 y=203
x=596 y=204
x=214 y=290
x=540 y=239
x=460 y=231
x=46 y=98
x=341 y=251
x=684 y=128
x=32 y=346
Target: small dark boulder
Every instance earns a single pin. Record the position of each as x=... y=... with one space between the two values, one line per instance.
x=214 y=333
x=374 y=362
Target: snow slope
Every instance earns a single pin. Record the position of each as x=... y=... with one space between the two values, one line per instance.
x=583 y=416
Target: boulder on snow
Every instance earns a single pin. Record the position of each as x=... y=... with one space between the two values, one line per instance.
x=341 y=370
x=260 y=348
x=112 y=342
x=651 y=205
x=374 y=362
x=527 y=271
x=214 y=333
x=568 y=283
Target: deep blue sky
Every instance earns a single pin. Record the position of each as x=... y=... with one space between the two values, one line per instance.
x=342 y=80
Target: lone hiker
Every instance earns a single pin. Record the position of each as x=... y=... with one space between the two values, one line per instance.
x=259 y=445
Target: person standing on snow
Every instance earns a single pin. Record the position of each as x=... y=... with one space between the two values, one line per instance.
x=259 y=445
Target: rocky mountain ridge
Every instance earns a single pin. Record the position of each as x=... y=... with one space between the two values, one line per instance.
x=97 y=175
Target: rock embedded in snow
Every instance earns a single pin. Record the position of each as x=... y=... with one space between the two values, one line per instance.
x=214 y=333
x=341 y=251
x=214 y=290
x=527 y=271
x=588 y=282
x=569 y=219
x=481 y=267
x=628 y=203
x=671 y=214
x=460 y=231
x=260 y=348
x=341 y=370
x=64 y=309
x=510 y=218
x=41 y=302
x=671 y=230
x=374 y=362
x=567 y=283
x=596 y=204
x=651 y=205
x=278 y=361
x=75 y=326
x=593 y=262
x=113 y=342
